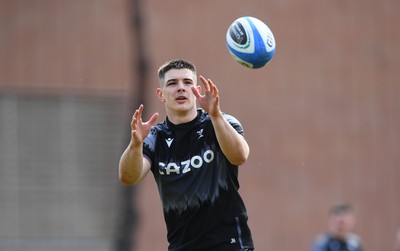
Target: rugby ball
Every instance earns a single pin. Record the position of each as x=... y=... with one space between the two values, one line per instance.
x=250 y=42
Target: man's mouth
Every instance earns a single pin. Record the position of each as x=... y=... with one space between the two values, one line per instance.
x=181 y=98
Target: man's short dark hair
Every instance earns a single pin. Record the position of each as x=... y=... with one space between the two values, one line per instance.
x=340 y=207
x=174 y=64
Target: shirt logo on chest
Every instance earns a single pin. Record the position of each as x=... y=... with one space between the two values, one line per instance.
x=200 y=133
x=169 y=141
x=195 y=162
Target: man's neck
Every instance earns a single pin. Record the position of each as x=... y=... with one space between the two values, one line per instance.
x=179 y=117
x=339 y=236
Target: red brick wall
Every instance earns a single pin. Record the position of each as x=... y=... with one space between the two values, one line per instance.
x=65 y=46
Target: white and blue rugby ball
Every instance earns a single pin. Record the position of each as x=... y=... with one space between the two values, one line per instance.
x=250 y=42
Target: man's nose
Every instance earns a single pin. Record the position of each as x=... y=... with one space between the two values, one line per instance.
x=181 y=85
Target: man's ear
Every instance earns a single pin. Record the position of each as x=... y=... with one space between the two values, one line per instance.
x=160 y=94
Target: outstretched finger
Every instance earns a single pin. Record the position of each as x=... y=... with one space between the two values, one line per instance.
x=213 y=87
x=205 y=83
x=153 y=119
x=140 y=111
x=136 y=117
x=196 y=92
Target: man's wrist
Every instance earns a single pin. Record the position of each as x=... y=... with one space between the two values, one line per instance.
x=216 y=116
x=135 y=145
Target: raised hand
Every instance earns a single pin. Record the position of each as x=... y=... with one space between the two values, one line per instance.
x=209 y=101
x=141 y=129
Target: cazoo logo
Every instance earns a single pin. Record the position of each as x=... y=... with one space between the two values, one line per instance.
x=187 y=165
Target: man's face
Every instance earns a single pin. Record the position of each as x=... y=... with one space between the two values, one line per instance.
x=341 y=223
x=176 y=91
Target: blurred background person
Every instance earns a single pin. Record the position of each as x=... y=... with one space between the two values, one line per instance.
x=339 y=236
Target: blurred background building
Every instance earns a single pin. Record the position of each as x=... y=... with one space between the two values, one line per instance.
x=322 y=118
